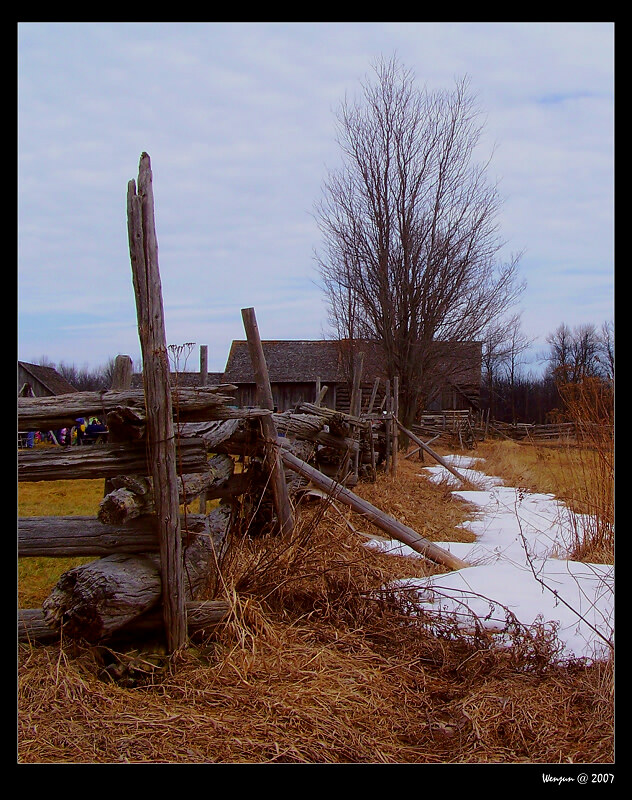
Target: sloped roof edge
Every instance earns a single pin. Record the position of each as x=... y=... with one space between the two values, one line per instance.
x=48 y=377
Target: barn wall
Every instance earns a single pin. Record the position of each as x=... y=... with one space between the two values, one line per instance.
x=284 y=395
x=39 y=390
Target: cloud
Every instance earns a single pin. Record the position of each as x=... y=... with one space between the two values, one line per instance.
x=238 y=121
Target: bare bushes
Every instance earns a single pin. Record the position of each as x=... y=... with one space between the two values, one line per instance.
x=590 y=404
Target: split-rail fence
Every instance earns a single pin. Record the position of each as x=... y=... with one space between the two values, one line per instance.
x=169 y=445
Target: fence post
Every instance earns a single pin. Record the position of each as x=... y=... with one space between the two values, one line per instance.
x=264 y=399
x=203 y=364
x=143 y=246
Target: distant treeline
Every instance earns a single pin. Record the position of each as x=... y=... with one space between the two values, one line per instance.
x=525 y=399
x=574 y=356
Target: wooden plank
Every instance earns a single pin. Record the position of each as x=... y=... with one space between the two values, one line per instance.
x=143 y=246
x=102 y=461
x=264 y=399
x=390 y=525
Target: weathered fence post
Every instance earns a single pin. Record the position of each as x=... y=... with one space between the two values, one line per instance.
x=203 y=364
x=392 y=526
x=122 y=376
x=264 y=399
x=143 y=246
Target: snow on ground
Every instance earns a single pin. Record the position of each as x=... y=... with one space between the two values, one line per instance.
x=518 y=563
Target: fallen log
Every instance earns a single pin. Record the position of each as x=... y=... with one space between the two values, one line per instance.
x=393 y=527
x=103 y=461
x=94 y=600
x=202 y=615
x=90 y=602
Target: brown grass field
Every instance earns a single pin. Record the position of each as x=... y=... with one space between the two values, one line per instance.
x=316 y=665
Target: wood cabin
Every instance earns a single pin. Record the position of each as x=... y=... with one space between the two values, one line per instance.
x=35 y=380
x=299 y=369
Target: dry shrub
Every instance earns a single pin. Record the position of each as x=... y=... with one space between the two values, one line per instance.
x=580 y=474
x=316 y=664
x=428 y=507
x=297 y=691
x=590 y=405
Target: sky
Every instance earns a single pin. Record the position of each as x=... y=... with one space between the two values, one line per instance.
x=518 y=566
x=239 y=122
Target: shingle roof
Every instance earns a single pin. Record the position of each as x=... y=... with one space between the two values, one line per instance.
x=304 y=361
x=288 y=362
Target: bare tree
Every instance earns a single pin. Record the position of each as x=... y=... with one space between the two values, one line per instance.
x=409 y=223
x=607 y=350
x=504 y=348
x=581 y=352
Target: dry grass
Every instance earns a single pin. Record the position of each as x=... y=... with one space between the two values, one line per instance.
x=37 y=576
x=580 y=476
x=289 y=691
x=316 y=665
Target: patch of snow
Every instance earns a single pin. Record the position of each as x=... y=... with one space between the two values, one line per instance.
x=519 y=563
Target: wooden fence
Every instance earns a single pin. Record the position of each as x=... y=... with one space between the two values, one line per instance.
x=168 y=446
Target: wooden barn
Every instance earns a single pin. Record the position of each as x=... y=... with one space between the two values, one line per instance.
x=37 y=381
x=299 y=369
